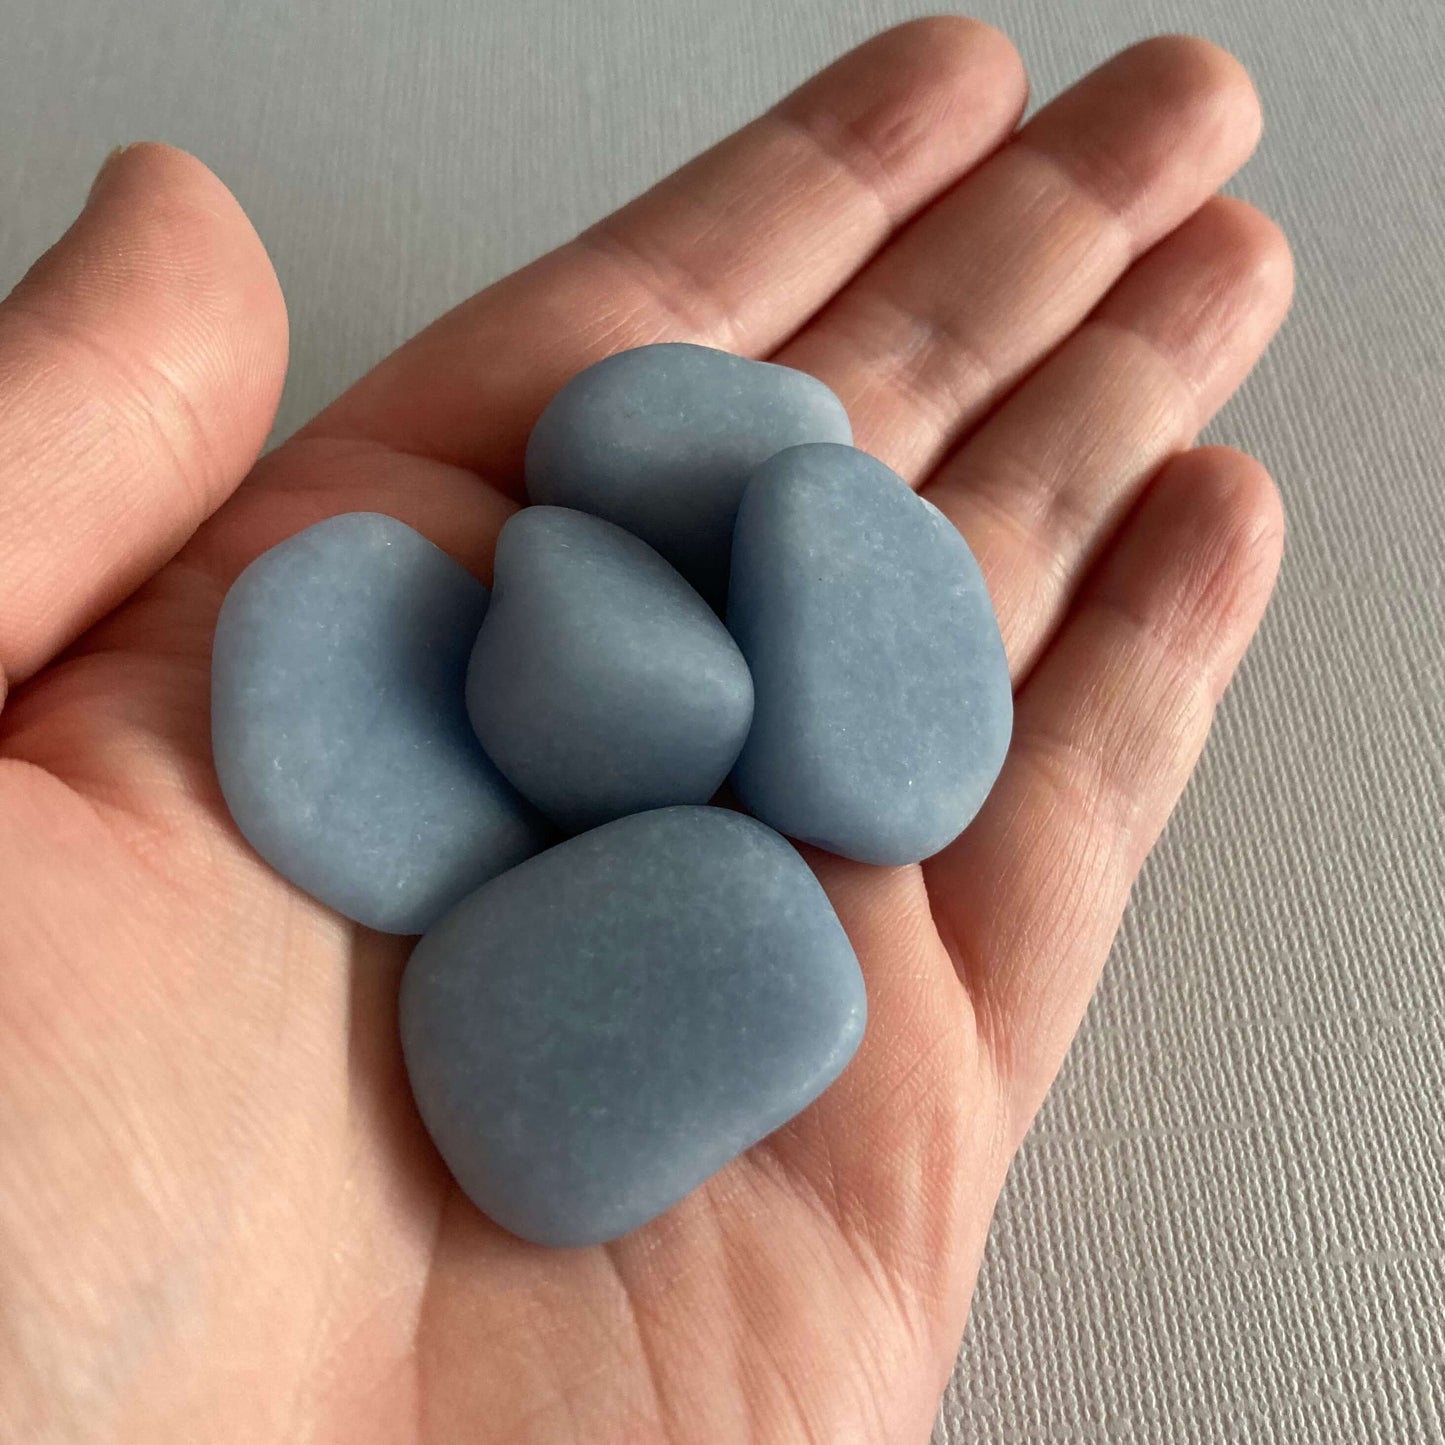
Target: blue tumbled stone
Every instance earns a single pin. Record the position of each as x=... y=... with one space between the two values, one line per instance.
x=339 y=726
x=592 y=1034
x=883 y=705
x=660 y=440
x=601 y=684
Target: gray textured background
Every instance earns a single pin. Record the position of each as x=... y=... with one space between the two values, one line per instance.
x=1229 y=1223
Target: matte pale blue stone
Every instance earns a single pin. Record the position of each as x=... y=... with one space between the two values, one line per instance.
x=883 y=705
x=660 y=440
x=339 y=725
x=601 y=684
x=594 y=1033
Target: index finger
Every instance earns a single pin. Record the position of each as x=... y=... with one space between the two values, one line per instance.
x=737 y=249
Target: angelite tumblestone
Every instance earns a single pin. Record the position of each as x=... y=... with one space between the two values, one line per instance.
x=592 y=1034
x=660 y=440
x=883 y=705
x=601 y=684
x=339 y=726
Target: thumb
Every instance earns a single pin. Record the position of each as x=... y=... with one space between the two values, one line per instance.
x=141 y=360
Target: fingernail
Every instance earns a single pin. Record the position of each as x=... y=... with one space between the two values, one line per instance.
x=105 y=165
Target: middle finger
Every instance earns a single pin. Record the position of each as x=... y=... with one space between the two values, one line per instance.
x=985 y=283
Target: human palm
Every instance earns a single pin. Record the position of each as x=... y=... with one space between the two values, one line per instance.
x=219 y=1216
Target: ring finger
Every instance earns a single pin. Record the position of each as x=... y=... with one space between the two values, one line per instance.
x=1044 y=481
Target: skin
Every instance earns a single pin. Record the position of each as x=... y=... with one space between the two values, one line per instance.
x=220 y=1219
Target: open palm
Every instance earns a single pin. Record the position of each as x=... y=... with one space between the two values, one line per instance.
x=220 y=1219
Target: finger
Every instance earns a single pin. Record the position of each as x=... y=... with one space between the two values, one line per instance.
x=1047 y=477
x=972 y=294
x=141 y=360
x=1107 y=732
x=735 y=250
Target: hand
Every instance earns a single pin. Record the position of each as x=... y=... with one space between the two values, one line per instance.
x=220 y=1219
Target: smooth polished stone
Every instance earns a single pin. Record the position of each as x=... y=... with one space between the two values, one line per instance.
x=594 y=1033
x=883 y=706
x=339 y=725
x=601 y=684
x=660 y=440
